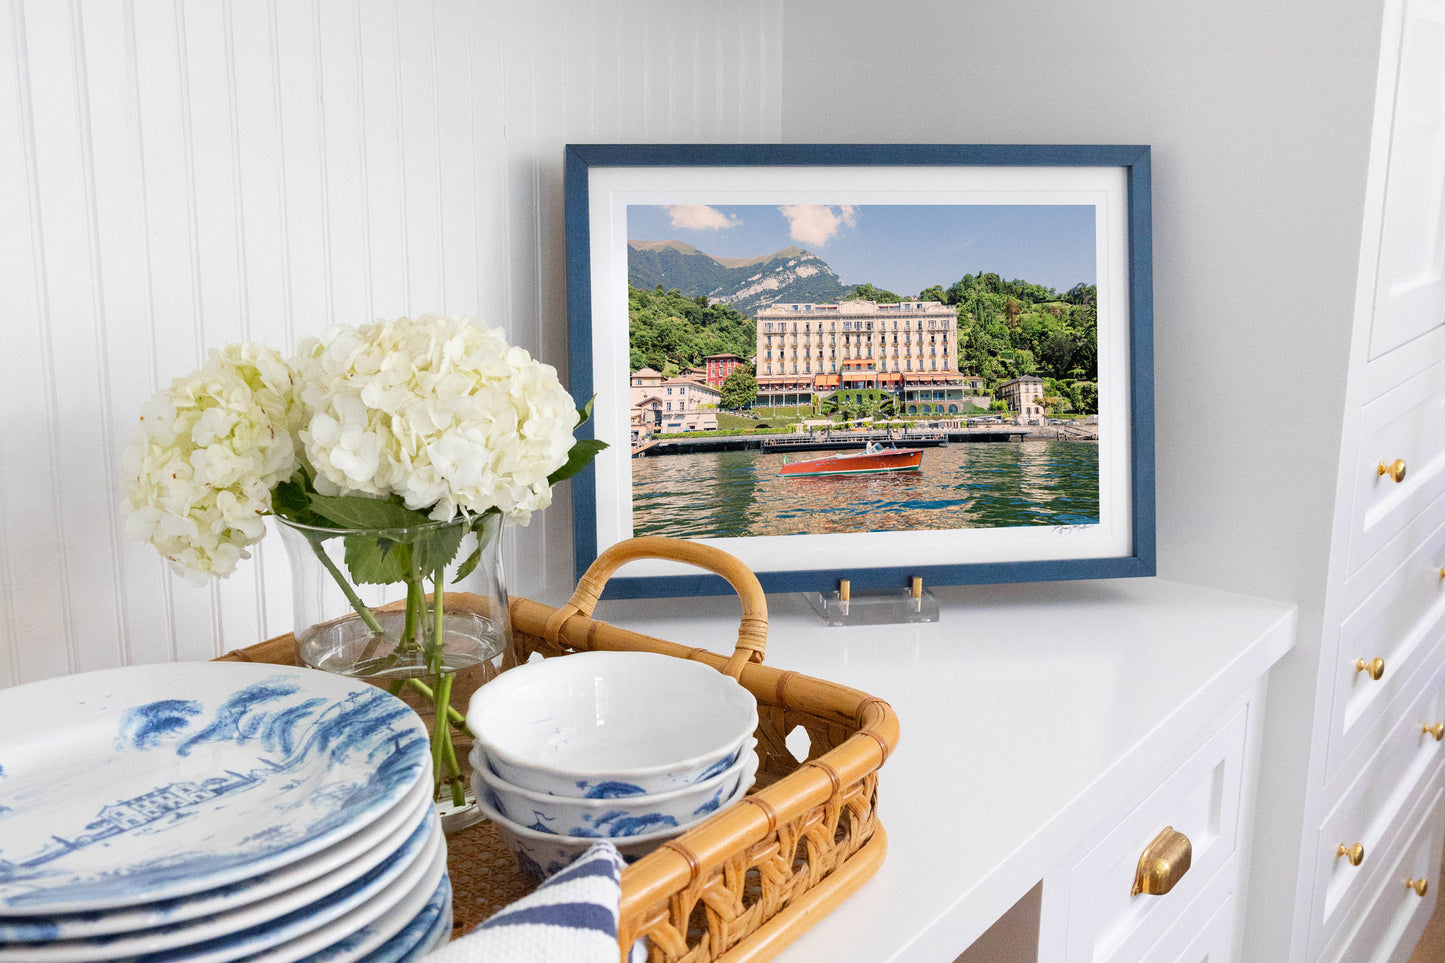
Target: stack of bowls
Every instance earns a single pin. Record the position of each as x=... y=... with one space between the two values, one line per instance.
x=636 y=747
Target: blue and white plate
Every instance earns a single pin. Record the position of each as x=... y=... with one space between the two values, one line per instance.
x=158 y=781
x=248 y=928
x=350 y=939
x=428 y=930
x=333 y=868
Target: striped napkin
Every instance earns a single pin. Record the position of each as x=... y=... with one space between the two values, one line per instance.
x=571 y=917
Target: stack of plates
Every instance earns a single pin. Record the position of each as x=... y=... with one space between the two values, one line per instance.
x=216 y=811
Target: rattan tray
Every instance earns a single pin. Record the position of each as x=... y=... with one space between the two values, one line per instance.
x=750 y=879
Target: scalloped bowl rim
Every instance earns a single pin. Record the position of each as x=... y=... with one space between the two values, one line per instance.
x=496 y=782
x=661 y=835
x=488 y=702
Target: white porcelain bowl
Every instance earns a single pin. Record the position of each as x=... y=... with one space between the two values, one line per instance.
x=541 y=854
x=616 y=816
x=607 y=723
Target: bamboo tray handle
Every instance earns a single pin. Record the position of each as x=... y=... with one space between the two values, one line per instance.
x=752 y=633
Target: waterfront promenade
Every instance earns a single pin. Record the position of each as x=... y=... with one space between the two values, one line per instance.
x=696 y=442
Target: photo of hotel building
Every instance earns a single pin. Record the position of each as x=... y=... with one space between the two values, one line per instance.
x=1023 y=396
x=685 y=403
x=909 y=348
x=719 y=366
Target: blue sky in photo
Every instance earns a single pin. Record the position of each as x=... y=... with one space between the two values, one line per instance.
x=900 y=248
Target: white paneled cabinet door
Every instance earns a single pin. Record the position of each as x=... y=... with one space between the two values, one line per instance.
x=1410 y=285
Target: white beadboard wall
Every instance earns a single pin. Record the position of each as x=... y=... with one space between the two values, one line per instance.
x=179 y=174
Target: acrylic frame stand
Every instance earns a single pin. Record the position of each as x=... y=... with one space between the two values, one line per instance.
x=889 y=607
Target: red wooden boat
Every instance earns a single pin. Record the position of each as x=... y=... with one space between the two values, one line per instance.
x=871 y=460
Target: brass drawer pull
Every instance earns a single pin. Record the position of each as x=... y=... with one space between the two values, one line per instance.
x=1437 y=730
x=1163 y=863
x=1375 y=668
x=1421 y=886
x=1395 y=469
x=1355 y=854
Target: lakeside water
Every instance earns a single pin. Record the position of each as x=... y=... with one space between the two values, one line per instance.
x=982 y=485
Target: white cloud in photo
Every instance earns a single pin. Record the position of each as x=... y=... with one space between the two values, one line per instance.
x=700 y=217
x=815 y=224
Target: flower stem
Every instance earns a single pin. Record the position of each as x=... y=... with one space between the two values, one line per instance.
x=425 y=691
x=361 y=608
x=438 y=618
x=444 y=754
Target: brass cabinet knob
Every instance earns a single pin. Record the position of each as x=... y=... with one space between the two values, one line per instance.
x=1375 y=668
x=1355 y=854
x=1163 y=863
x=1437 y=730
x=1421 y=886
x=1395 y=469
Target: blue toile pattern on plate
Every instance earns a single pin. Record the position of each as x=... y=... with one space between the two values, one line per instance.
x=333 y=866
x=159 y=781
x=424 y=933
x=245 y=930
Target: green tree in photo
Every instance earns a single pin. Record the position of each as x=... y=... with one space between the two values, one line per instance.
x=867 y=292
x=740 y=389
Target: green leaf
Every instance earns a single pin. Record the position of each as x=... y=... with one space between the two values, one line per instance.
x=434 y=549
x=376 y=561
x=584 y=414
x=479 y=526
x=359 y=511
x=290 y=499
x=578 y=458
x=469 y=565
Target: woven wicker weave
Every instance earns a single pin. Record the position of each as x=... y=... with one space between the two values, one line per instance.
x=751 y=878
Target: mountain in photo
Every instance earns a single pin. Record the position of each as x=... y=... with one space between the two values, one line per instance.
x=790 y=275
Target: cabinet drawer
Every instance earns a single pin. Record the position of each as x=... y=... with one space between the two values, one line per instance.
x=1204 y=932
x=1400 y=623
x=1199 y=799
x=1393 y=917
x=1370 y=812
x=1400 y=426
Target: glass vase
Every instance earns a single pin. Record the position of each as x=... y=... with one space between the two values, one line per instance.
x=366 y=606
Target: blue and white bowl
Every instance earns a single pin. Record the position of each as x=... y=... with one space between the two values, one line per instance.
x=596 y=721
x=619 y=812
x=541 y=854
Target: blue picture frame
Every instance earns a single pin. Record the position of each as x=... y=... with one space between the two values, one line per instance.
x=589 y=173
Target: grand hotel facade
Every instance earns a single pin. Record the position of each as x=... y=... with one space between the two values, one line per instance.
x=910 y=348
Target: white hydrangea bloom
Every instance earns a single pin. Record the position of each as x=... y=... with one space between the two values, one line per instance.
x=210 y=448
x=438 y=410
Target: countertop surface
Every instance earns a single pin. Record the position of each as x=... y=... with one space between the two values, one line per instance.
x=1019 y=710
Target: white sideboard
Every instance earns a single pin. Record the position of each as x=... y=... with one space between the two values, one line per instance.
x=1049 y=733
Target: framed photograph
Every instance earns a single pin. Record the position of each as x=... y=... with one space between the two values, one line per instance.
x=864 y=362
